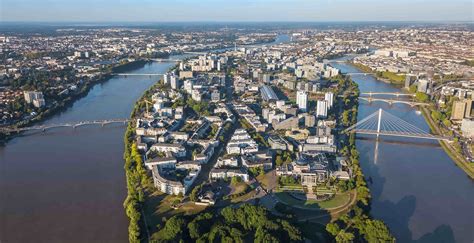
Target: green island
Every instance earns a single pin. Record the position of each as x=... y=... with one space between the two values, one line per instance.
x=158 y=217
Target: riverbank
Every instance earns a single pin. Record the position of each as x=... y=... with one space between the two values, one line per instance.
x=455 y=156
x=386 y=77
x=63 y=105
x=358 y=220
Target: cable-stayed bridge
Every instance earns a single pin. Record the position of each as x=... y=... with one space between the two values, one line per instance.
x=66 y=124
x=386 y=124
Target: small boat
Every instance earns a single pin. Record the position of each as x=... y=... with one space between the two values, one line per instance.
x=418 y=112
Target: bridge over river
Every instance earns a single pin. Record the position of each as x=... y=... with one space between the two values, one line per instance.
x=66 y=124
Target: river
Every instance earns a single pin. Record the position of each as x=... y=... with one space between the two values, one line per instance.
x=417 y=189
x=68 y=185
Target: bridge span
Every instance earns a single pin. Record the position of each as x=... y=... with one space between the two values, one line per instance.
x=391 y=101
x=382 y=123
x=66 y=124
x=164 y=60
x=365 y=74
x=387 y=93
x=139 y=74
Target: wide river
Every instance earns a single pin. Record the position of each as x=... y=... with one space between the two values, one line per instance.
x=416 y=187
x=68 y=185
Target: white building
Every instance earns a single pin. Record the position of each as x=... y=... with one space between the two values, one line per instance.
x=302 y=100
x=174 y=82
x=322 y=109
x=467 y=128
x=329 y=97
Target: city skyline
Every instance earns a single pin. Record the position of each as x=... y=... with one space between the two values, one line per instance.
x=242 y=11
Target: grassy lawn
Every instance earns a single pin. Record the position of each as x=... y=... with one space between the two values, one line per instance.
x=240 y=187
x=244 y=197
x=158 y=205
x=264 y=179
x=393 y=77
x=338 y=200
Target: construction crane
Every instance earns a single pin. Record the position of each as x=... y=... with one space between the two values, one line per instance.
x=147 y=109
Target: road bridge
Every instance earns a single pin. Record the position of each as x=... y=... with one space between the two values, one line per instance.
x=397 y=94
x=391 y=101
x=139 y=74
x=164 y=60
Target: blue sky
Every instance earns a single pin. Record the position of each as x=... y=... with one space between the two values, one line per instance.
x=236 y=10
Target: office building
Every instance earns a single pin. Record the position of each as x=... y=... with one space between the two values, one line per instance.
x=302 y=100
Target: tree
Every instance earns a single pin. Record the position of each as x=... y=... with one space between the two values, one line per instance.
x=342 y=186
x=193 y=196
x=422 y=97
x=345 y=118
x=344 y=236
x=235 y=180
x=436 y=115
x=174 y=228
x=278 y=160
x=376 y=231
x=333 y=228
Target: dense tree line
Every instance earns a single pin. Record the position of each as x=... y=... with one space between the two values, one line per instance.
x=246 y=223
x=138 y=181
x=356 y=225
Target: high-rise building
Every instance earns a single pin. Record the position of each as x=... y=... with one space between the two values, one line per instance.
x=409 y=80
x=423 y=85
x=166 y=78
x=302 y=100
x=322 y=109
x=329 y=97
x=188 y=85
x=468 y=111
x=174 y=82
x=459 y=110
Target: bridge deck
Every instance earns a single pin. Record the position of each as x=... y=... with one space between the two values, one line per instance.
x=67 y=124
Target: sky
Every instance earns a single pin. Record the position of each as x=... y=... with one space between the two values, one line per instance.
x=235 y=10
